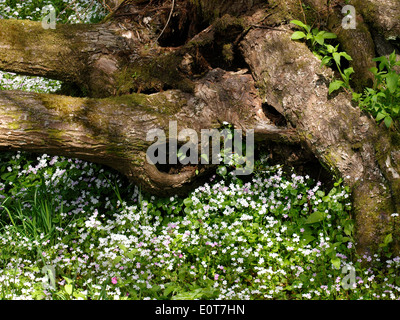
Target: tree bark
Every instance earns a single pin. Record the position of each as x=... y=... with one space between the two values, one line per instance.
x=152 y=63
x=113 y=131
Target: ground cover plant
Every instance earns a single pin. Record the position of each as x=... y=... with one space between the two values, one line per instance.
x=76 y=230
x=274 y=237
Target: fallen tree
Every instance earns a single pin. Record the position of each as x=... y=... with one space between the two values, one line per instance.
x=203 y=63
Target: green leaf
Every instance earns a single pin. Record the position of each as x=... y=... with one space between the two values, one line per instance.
x=392 y=57
x=380 y=116
x=122 y=247
x=319 y=38
x=336 y=57
x=336 y=262
x=330 y=48
x=384 y=63
x=68 y=288
x=301 y=24
x=388 y=239
x=315 y=217
x=117 y=259
x=307 y=238
x=347 y=72
x=169 y=289
x=330 y=35
x=388 y=121
x=187 y=202
x=205 y=157
x=335 y=85
x=298 y=35
x=346 y=56
x=348 y=228
x=392 y=80
x=325 y=60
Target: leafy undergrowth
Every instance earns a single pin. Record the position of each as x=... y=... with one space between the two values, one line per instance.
x=76 y=230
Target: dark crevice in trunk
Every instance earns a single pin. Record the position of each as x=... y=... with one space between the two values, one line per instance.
x=276 y=117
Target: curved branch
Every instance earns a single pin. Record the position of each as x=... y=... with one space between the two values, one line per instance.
x=113 y=131
x=85 y=54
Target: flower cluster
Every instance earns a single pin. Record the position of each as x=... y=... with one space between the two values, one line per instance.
x=274 y=237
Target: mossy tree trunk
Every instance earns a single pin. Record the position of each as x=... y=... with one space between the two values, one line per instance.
x=206 y=63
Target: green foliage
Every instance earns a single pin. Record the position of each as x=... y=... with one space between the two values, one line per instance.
x=326 y=53
x=383 y=100
x=277 y=236
x=314 y=38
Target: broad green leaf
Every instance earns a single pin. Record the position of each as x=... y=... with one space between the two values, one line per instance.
x=336 y=262
x=335 y=85
x=169 y=289
x=380 y=116
x=330 y=48
x=187 y=202
x=320 y=38
x=122 y=247
x=348 y=228
x=315 y=217
x=388 y=239
x=392 y=80
x=301 y=24
x=315 y=31
x=346 y=56
x=117 y=259
x=388 y=121
x=330 y=35
x=336 y=57
x=298 y=35
x=68 y=288
x=307 y=238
